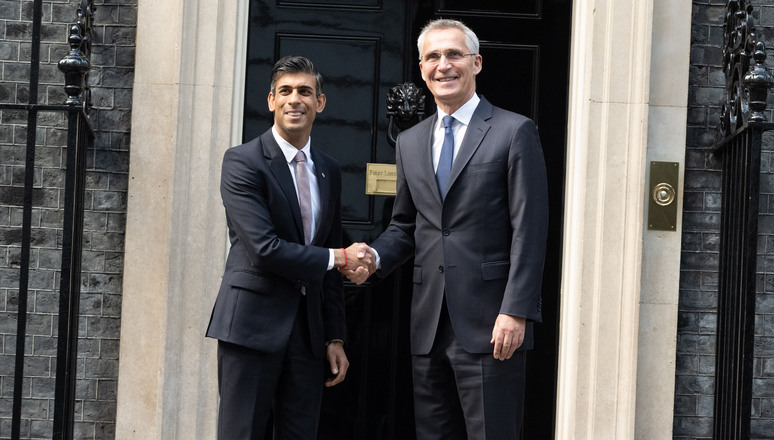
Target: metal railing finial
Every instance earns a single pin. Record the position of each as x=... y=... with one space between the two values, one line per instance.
x=758 y=81
x=75 y=65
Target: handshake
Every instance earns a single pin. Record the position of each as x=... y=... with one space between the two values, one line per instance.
x=357 y=262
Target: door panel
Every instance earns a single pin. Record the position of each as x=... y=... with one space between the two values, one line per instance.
x=363 y=48
x=485 y=7
x=344 y=130
x=359 y=60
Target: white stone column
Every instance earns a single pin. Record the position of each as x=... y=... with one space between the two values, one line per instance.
x=618 y=312
x=667 y=120
x=628 y=105
x=182 y=119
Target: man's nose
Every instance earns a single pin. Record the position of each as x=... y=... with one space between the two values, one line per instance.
x=444 y=62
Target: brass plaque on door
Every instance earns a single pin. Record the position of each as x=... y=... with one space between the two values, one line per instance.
x=662 y=196
x=381 y=179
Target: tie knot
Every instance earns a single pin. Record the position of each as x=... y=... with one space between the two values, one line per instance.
x=447 y=121
x=300 y=157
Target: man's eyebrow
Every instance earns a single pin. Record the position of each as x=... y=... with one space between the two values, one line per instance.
x=288 y=86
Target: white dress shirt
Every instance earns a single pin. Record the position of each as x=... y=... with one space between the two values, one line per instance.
x=289 y=151
x=461 y=121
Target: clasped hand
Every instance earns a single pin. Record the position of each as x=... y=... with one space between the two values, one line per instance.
x=361 y=263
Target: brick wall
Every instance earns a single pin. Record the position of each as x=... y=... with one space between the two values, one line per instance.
x=694 y=391
x=763 y=368
x=106 y=194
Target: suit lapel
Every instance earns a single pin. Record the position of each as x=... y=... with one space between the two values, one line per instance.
x=475 y=133
x=279 y=168
x=323 y=183
x=424 y=134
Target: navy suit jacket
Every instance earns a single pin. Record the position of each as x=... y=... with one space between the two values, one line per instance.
x=484 y=244
x=268 y=262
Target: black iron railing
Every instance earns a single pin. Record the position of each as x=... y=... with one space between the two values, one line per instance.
x=75 y=67
x=743 y=123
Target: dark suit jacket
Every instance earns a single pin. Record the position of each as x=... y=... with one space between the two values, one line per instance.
x=485 y=242
x=268 y=263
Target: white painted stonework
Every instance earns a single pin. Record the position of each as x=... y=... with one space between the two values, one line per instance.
x=628 y=106
x=182 y=120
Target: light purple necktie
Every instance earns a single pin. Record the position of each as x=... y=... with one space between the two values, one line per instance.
x=304 y=195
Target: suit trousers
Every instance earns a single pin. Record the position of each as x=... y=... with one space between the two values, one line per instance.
x=256 y=387
x=460 y=395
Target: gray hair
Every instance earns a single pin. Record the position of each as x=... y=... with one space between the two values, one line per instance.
x=471 y=40
x=295 y=64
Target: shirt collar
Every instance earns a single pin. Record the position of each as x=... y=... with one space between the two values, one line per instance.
x=288 y=150
x=465 y=113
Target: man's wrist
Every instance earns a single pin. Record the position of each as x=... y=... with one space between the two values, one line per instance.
x=339 y=259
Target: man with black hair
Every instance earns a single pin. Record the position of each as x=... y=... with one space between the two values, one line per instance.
x=280 y=310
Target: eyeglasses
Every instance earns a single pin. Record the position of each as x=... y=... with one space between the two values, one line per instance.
x=452 y=56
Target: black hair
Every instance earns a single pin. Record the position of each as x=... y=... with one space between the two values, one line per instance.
x=295 y=64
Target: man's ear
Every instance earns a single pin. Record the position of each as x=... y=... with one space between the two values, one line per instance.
x=478 y=63
x=321 y=100
x=270 y=100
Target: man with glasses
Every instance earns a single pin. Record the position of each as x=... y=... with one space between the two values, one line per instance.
x=472 y=209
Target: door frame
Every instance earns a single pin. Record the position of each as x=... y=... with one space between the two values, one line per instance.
x=189 y=74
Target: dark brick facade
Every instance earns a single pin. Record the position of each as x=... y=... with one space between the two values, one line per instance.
x=106 y=197
x=694 y=389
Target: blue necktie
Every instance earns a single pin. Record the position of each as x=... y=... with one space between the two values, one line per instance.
x=443 y=171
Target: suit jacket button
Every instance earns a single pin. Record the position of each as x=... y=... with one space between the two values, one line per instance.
x=446 y=232
x=440 y=268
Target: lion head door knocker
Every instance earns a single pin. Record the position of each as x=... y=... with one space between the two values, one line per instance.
x=405 y=108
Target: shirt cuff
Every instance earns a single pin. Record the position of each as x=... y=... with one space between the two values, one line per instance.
x=331 y=259
x=378 y=259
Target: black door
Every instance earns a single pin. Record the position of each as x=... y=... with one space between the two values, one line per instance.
x=363 y=48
